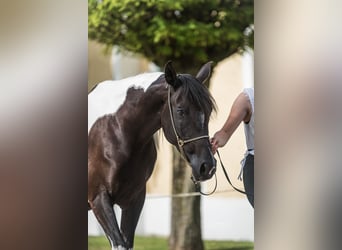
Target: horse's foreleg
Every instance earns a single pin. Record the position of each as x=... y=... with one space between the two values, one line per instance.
x=130 y=217
x=104 y=212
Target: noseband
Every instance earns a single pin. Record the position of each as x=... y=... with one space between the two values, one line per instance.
x=180 y=141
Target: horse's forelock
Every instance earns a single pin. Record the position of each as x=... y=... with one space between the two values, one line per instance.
x=197 y=93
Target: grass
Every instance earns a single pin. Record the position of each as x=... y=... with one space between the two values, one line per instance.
x=159 y=243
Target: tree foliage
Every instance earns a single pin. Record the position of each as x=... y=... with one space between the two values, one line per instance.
x=187 y=32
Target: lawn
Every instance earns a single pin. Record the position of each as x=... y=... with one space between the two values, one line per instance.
x=158 y=243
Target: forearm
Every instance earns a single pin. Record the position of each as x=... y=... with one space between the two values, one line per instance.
x=231 y=125
x=238 y=113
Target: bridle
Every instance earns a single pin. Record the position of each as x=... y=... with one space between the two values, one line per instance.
x=182 y=142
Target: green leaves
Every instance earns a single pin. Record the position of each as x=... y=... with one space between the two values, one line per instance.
x=189 y=32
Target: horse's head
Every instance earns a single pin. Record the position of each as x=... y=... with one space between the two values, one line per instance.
x=185 y=119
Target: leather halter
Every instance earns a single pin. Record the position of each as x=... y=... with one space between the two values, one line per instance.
x=180 y=141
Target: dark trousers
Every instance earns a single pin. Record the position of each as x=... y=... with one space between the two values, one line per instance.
x=248 y=178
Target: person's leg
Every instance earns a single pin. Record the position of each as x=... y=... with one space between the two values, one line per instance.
x=248 y=178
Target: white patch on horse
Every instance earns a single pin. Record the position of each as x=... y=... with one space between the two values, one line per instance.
x=108 y=96
x=120 y=248
x=116 y=247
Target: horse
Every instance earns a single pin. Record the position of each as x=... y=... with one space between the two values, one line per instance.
x=121 y=148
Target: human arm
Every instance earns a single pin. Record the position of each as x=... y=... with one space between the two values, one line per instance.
x=241 y=110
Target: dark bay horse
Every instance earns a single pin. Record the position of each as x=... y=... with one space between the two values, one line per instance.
x=121 y=149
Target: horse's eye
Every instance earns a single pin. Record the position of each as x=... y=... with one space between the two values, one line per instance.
x=180 y=112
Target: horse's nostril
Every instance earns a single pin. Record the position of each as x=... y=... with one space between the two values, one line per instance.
x=203 y=168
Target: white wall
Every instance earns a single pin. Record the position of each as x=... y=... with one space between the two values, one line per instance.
x=222 y=219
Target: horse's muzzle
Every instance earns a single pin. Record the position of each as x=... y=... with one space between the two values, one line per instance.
x=203 y=178
x=205 y=172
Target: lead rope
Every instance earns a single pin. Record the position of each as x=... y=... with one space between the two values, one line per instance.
x=227 y=177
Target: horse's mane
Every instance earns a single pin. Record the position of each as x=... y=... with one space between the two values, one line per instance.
x=197 y=93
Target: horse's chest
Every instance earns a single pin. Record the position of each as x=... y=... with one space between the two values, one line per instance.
x=138 y=171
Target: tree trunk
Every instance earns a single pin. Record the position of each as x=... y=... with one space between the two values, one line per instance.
x=186 y=213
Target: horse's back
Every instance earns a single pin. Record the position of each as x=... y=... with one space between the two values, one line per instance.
x=108 y=96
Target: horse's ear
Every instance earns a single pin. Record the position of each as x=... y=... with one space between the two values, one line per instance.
x=170 y=75
x=204 y=73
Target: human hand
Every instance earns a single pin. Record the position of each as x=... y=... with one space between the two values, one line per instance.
x=219 y=139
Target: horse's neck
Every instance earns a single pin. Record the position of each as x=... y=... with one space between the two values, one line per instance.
x=140 y=113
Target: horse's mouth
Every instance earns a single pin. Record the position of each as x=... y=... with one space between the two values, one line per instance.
x=199 y=179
